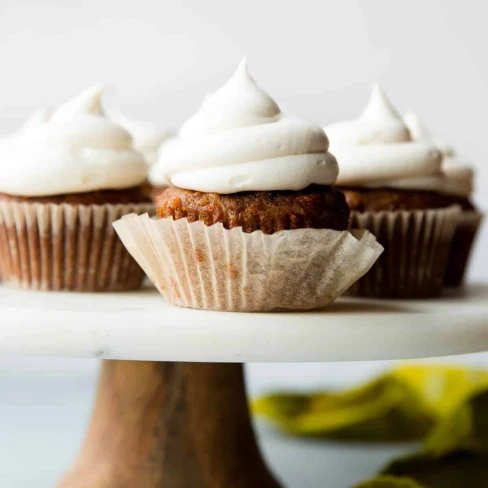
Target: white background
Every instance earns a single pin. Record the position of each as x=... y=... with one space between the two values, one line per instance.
x=316 y=58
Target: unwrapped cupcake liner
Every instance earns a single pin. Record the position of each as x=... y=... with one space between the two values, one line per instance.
x=66 y=247
x=213 y=268
x=461 y=247
x=417 y=245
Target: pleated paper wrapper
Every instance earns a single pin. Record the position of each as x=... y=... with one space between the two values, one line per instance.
x=66 y=247
x=415 y=259
x=213 y=268
x=461 y=247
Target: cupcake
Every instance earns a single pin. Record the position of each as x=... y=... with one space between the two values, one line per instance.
x=147 y=137
x=65 y=178
x=251 y=220
x=392 y=184
x=148 y=140
x=457 y=189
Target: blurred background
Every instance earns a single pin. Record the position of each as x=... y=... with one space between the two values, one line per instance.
x=317 y=59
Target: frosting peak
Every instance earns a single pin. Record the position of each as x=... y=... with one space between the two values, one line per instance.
x=377 y=149
x=75 y=150
x=239 y=103
x=380 y=123
x=417 y=128
x=383 y=116
x=88 y=102
x=239 y=140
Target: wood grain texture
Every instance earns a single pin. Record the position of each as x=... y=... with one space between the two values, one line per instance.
x=170 y=425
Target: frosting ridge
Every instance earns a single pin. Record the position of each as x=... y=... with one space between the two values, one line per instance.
x=239 y=140
x=458 y=176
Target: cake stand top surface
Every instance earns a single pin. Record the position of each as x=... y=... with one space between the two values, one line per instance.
x=142 y=326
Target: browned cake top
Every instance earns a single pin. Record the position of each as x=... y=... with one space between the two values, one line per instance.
x=375 y=200
x=318 y=207
x=100 y=197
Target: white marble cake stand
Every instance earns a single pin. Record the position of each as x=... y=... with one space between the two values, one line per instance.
x=171 y=410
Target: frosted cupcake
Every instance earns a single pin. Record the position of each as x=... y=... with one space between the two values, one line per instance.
x=392 y=184
x=251 y=221
x=457 y=189
x=147 y=137
x=64 y=179
x=148 y=140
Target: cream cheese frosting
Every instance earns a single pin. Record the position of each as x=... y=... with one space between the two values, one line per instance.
x=377 y=150
x=147 y=137
x=156 y=175
x=458 y=175
x=37 y=118
x=239 y=140
x=74 y=150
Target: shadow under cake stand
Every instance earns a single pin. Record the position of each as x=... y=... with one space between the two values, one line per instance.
x=171 y=409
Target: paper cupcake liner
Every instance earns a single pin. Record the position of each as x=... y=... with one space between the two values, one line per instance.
x=416 y=246
x=461 y=247
x=213 y=268
x=66 y=247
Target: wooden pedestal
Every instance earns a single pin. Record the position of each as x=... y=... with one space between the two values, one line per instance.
x=170 y=425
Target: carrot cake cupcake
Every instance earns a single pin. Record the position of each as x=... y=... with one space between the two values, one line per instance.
x=458 y=189
x=148 y=140
x=147 y=137
x=251 y=220
x=391 y=183
x=64 y=180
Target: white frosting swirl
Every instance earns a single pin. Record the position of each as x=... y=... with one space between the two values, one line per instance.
x=37 y=118
x=75 y=150
x=239 y=140
x=377 y=150
x=156 y=175
x=458 y=176
x=147 y=137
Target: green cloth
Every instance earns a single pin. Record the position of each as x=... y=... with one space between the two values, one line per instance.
x=446 y=407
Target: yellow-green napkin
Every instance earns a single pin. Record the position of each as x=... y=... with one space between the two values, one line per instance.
x=446 y=407
x=407 y=403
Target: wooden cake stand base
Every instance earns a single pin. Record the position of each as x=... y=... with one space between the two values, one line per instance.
x=170 y=425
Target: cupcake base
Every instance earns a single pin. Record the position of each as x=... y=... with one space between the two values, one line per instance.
x=212 y=268
x=47 y=246
x=417 y=245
